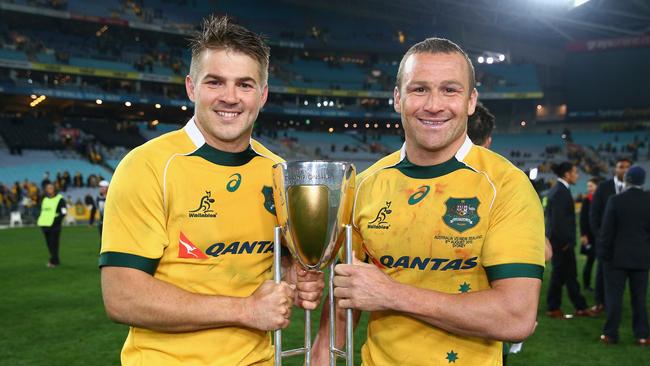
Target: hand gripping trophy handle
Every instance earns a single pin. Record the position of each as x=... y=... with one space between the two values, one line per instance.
x=313 y=203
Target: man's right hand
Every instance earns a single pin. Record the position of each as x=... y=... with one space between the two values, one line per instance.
x=269 y=307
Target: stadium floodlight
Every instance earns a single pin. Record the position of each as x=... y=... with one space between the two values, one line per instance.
x=99 y=101
x=396 y=125
x=390 y=101
x=330 y=130
x=539 y=107
x=376 y=125
x=481 y=59
x=184 y=108
x=533 y=174
x=502 y=57
x=318 y=104
x=387 y=125
x=577 y=3
x=306 y=102
x=523 y=123
x=367 y=125
x=346 y=125
x=158 y=106
x=33 y=96
x=489 y=60
x=354 y=125
x=127 y=103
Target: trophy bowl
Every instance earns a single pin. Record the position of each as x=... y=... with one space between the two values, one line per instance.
x=313 y=202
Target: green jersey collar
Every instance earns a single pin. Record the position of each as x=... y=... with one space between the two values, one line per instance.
x=433 y=171
x=219 y=157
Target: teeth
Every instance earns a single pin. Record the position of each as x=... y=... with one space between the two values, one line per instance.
x=228 y=114
x=426 y=122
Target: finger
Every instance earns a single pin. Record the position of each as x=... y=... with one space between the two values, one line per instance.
x=342 y=293
x=310 y=286
x=342 y=281
x=343 y=269
x=311 y=276
x=309 y=305
x=344 y=303
x=309 y=296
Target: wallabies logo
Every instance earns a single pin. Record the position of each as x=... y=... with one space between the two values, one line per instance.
x=269 y=203
x=204 y=207
x=380 y=220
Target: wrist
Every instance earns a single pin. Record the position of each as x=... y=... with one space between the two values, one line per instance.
x=244 y=311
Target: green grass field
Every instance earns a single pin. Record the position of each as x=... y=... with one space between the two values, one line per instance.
x=56 y=317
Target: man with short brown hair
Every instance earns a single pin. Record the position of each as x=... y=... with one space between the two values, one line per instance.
x=187 y=246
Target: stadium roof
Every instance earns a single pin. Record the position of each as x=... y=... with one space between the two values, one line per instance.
x=554 y=21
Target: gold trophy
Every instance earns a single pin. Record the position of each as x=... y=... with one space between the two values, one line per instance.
x=313 y=203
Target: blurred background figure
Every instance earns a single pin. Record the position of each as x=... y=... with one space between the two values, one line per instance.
x=97 y=207
x=625 y=244
x=561 y=231
x=53 y=210
x=480 y=126
x=587 y=239
x=604 y=191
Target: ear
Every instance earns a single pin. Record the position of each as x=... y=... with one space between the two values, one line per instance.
x=471 y=106
x=396 y=100
x=189 y=88
x=265 y=94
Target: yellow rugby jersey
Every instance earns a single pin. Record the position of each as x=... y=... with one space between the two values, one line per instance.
x=453 y=228
x=200 y=219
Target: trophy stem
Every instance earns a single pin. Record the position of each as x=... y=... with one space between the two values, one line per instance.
x=307 y=337
x=277 y=277
x=332 y=343
x=348 y=353
x=349 y=320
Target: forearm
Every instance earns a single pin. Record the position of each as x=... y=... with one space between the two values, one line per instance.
x=320 y=350
x=135 y=298
x=492 y=314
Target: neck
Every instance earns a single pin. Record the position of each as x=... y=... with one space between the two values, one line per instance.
x=237 y=145
x=422 y=157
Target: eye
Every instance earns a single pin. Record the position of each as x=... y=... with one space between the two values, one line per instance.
x=449 y=90
x=246 y=85
x=418 y=90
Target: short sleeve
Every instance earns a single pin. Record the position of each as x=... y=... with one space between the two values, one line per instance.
x=134 y=233
x=514 y=244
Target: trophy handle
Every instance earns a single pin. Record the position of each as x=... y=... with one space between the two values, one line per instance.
x=348 y=354
x=277 y=334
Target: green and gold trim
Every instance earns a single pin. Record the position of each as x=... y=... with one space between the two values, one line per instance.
x=115 y=259
x=514 y=270
x=225 y=158
x=432 y=171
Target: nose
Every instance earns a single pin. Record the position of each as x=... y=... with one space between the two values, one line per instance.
x=229 y=95
x=433 y=103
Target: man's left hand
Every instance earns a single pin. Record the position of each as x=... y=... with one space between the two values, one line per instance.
x=309 y=286
x=362 y=286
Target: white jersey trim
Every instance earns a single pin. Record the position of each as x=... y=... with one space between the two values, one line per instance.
x=193 y=133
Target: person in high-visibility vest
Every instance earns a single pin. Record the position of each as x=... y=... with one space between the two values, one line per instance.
x=53 y=210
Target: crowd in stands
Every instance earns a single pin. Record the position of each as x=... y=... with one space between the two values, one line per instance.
x=25 y=196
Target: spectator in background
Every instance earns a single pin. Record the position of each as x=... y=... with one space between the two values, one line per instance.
x=561 y=232
x=624 y=243
x=46 y=180
x=480 y=126
x=78 y=180
x=604 y=191
x=53 y=210
x=98 y=207
x=587 y=238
